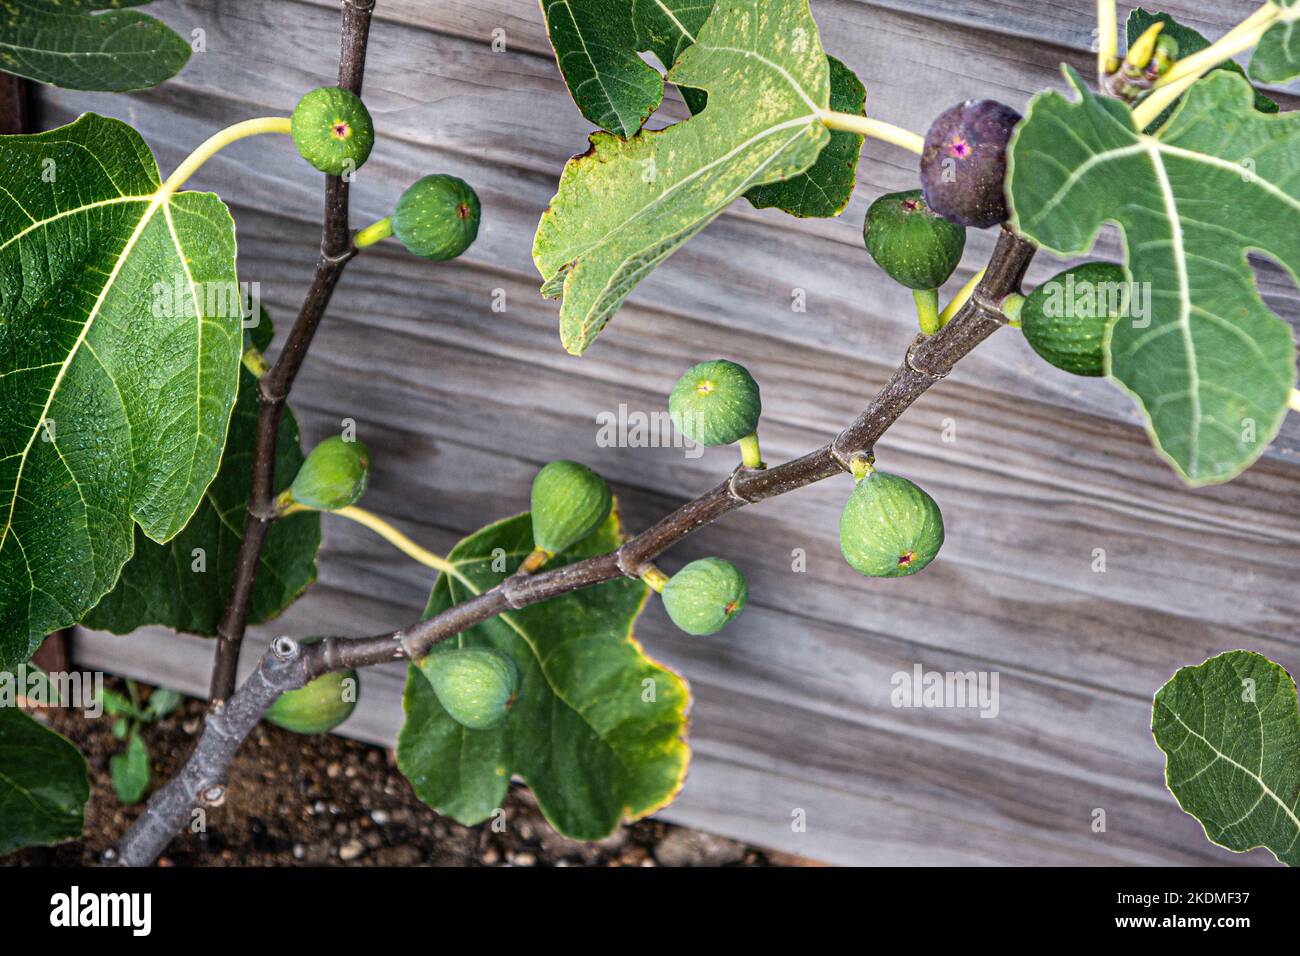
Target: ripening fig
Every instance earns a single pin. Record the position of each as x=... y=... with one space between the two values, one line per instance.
x=437 y=217
x=964 y=162
x=1065 y=320
x=334 y=475
x=917 y=247
x=475 y=685
x=715 y=403
x=569 y=502
x=705 y=595
x=889 y=527
x=332 y=130
x=320 y=706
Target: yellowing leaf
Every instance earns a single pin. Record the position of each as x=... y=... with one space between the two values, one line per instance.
x=626 y=205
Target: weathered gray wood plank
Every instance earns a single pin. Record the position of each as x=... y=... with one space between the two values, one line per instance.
x=792 y=704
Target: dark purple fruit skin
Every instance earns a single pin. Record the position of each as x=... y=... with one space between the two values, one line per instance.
x=974 y=136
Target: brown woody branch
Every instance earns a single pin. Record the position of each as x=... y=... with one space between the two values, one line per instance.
x=274 y=387
x=289 y=665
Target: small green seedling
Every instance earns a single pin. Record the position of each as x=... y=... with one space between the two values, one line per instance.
x=134 y=711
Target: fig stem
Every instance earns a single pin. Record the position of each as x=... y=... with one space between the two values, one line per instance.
x=655 y=578
x=535 y=561
x=1188 y=70
x=861 y=466
x=375 y=232
x=1144 y=47
x=876 y=129
x=1107 y=38
x=749 y=453
x=1295 y=400
x=394 y=537
x=960 y=299
x=219 y=141
x=927 y=309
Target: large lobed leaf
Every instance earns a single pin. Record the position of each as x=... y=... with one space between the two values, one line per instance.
x=114 y=399
x=626 y=205
x=43 y=784
x=1214 y=368
x=597 y=727
x=70 y=44
x=1230 y=730
x=1277 y=57
x=162 y=584
x=596 y=44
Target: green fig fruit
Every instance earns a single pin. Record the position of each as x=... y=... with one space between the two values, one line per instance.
x=715 y=403
x=569 y=502
x=332 y=130
x=334 y=475
x=916 y=246
x=437 y=217
x=320 y=706
x=705 y=595
x=475 y=685
x=889 y=527
x=1065 y=320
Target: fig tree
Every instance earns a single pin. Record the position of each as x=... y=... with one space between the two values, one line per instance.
x=705 y=595
x=437 y=217
x=334 y=475
x=917 y=247
x=475 y=685
x=1065 y=320
x=964 y=162
x=320 y=706
x=889 y=527
x=332 y=129
x=715 y=403
x=569 y=502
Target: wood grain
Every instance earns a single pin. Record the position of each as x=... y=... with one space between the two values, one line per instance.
x=792 y=704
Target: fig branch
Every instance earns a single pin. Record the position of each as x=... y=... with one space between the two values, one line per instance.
x=273 y=388
x=289 y=665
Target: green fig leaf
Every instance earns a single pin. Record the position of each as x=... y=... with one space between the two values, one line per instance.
x=1277 y=55
x=1189 y=42
x=1230 y=730
x=184 y=584
x=825 y=189
x=69 y=44
x=626 y=205
x=120 y=341
x=596 y=728
x=1210 y=365
x=43 y=784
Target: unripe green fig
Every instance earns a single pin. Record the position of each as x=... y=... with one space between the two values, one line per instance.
x=916 y=246
x=569 y=502
x=715 y=403
x=889 y=527
x=1065 y=319
x=334 y=475
x=475 y=685
x=705 y=595
x=332 y=130
x=437 y=217
x=320 y=706
x=964 y=162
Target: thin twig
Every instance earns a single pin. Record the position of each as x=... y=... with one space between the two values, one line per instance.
x=274 y=387
x=289 y=665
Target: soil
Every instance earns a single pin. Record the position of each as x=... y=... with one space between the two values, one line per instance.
x=329 y=801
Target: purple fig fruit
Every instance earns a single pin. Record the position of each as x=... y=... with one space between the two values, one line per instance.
x=964 y=163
